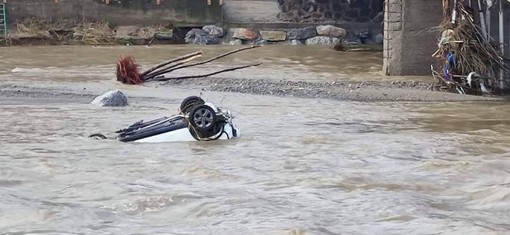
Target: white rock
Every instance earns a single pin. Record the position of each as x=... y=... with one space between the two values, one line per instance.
x=331 y=31
x=322 y=40
x=111 y=98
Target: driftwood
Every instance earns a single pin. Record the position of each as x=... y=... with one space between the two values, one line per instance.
x=158 y=72
x=128 y=70
x=191 y=55
x=181 y=66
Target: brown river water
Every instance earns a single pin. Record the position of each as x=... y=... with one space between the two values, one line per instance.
x=302 y=166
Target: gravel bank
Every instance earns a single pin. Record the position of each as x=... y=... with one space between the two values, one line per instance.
x=348 y=91
x=351 y=91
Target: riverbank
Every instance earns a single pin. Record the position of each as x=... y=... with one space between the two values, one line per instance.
x=38 y=31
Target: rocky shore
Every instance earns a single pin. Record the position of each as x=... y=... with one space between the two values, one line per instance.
x=35 y=31
x=320 y=35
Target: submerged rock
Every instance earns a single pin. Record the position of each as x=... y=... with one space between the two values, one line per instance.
x=200 y=37
x=111 y=98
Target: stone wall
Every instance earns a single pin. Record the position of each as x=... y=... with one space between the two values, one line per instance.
x=410 y=36
x=330 y=10
x=125 y=12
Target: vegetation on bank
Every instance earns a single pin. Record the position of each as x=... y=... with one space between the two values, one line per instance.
x=71 y=32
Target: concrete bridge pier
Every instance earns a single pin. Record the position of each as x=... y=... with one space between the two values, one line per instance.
x=410 y=36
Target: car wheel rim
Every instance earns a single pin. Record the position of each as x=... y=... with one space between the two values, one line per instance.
x=203 y=118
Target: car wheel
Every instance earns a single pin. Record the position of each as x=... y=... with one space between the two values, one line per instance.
x=190 y=102
x=202 y=118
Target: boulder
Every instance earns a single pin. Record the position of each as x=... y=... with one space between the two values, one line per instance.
x=194 y=33
x=322 y=40
x=274 y=36
x=331 y=31
x=302 y=33
x=111 y=98
x=200 y=37
x=214 y=30
x=246 y=34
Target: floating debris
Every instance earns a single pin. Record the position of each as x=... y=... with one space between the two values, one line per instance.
x=465 y=51
x=128 y=71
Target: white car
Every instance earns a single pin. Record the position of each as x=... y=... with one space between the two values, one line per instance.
x=197 y=121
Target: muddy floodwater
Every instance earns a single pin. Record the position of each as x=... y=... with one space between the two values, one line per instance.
x=302 y=166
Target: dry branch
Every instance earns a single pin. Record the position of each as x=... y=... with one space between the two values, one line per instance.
x=208 y=74
x=214 y=58
x=184 y=57
x=163 y=70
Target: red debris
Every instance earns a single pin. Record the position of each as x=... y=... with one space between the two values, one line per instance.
x=128 y=72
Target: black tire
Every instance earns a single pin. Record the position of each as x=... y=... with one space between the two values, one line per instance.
x=190 y=102
x=202 y=118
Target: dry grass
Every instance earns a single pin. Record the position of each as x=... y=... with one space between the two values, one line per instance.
x=41 y=28
x=89 y=33
x=95 y=33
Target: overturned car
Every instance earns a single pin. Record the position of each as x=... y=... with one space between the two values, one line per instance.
x=197 y=121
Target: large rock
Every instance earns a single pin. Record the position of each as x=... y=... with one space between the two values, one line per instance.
x=322 y=40
x=214 y=30
x=274 y=36
x=245 y=34
x=111 y=98
x=200 y=37
x=194 y=33
x=331 y=31
x=301 y=34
